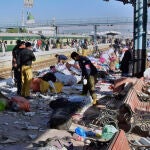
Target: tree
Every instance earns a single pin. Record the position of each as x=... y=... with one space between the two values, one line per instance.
x=16 y=30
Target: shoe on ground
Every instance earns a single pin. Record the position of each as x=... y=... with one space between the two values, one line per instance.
x=95 y=102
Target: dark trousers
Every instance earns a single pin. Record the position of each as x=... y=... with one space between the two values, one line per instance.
x=17 y=78
x=90 y=86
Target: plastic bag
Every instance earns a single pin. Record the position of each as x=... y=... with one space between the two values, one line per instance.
x=81 y=132
x=108 y=132
x=3 y=104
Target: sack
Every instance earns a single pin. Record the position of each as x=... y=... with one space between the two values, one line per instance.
x=60 y=119
x=44 y=86
x=18 y=103
x=58 y=87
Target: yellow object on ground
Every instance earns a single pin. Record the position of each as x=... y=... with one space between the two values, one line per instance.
x=94 y=101
x=58 y=87
x=44 y=86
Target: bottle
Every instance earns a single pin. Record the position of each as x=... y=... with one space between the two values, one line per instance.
x=98 y=133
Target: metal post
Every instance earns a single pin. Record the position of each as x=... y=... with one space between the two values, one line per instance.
x=56 y=31
x=140 y=29
x=95 y=37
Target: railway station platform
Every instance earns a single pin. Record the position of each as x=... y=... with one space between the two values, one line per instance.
x=43 y=59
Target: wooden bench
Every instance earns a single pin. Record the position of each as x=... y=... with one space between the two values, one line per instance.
x=139 y=90
x=119 y=142
x=108 y=115
x=130 y=113
x=120 y=83
x=139 y=84
x=134 y=112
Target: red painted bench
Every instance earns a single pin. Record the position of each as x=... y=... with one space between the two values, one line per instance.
x=134 y=112
x=120 y=142
x=139 y=88
x=120 y=83
x=139 y=84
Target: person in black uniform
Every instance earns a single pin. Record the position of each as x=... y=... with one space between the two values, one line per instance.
x=25 y=58
x=89 y=74
x=17 y=72
x=14 y=62
x=125 y=62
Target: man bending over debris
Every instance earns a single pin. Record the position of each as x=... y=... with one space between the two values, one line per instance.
x=89 y=75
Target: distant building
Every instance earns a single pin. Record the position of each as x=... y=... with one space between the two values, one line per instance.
x=30 y=19
x=47 y=31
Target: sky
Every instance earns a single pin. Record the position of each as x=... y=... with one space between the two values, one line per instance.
x=11 y=10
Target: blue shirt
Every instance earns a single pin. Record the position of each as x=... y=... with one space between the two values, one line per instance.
x=62 y=57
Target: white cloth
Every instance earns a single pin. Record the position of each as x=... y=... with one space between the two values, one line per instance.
x=66 y=79
x=147 y=74
x=62 y=68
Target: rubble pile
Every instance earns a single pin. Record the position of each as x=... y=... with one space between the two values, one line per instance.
x=57 y=115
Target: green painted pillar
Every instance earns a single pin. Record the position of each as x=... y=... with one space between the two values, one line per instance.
x=140 y=30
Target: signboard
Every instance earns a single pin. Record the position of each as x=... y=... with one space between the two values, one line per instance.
x=28 y=3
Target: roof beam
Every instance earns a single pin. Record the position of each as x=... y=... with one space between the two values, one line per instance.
x=124 y=1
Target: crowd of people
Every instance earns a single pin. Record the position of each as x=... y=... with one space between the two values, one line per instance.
x=117 y=57
x=48 y=44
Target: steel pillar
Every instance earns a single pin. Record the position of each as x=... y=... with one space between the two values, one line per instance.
x=95 y=37
x=140 y=30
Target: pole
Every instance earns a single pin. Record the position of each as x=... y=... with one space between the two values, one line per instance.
x=95 y=37
x=140 y=30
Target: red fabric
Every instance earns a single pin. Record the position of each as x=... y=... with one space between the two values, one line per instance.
x=22 y=103
x=39 y=42
x=35 y=84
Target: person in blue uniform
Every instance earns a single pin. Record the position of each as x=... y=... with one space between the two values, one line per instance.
x=61 y=58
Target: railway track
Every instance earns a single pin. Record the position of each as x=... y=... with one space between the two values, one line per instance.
x=44 y=60
x=7 y=72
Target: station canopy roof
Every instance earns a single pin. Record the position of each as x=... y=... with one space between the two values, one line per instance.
x=112 y=33
x=124 y=1
x=129 y=1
